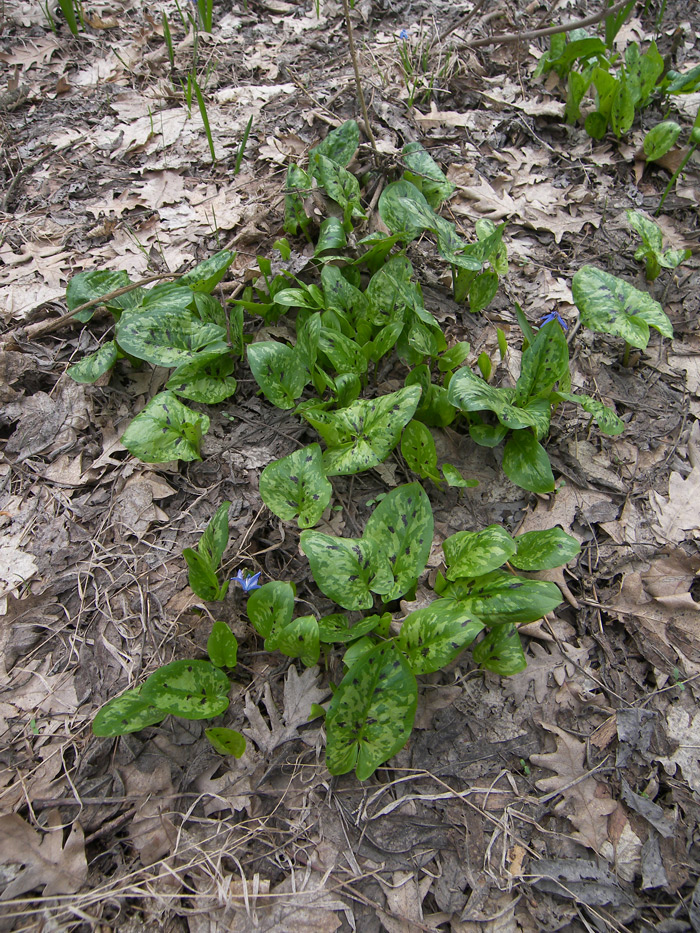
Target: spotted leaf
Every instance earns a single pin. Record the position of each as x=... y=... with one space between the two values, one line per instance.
x=297 y=639
x=342 y=568
x=367 y=431
x=191 y=689
x=166 y=430
x=296 y=486
x=371 y=714
x=542 y=550
x=432 y=637
x=126 y=713
x=501 y=651
x=500 y=596
x=167 y=337
x=472 y=553
x=612 y=306
x=401 y=530
x=271 y=607
x=279 y=370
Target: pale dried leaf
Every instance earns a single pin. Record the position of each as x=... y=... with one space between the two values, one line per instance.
x=586 y=803
x=686 y=732
x=46 y=862
x=299 y=695
x=299 y=904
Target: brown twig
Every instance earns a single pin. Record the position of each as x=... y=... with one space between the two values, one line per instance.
x=549 y=31
x=47 y=327
x=358 y=80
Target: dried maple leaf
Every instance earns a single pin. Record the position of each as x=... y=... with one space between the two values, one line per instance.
x=686 y=733
x=299 y=695
x=47 y=862
x=585 y=801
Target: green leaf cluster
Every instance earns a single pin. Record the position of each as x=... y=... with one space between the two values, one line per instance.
x=191 y=689
x=179 y=326
x=526 y=409
x=651 y=251
x=203 y=563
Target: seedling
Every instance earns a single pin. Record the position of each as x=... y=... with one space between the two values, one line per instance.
x=651 y=250
x=204 y=563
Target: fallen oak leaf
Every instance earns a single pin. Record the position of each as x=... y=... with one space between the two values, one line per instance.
x=585 y=801
x=47 y=862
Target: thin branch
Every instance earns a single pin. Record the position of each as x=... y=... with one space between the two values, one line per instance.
x=358 y=81
x=549 y=31
x=47 y=327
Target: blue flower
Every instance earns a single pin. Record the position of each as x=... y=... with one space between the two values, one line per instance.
x=403 y=35
x=553 y=316
x=248 y=581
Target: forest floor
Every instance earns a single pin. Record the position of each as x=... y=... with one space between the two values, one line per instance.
x=566 y=797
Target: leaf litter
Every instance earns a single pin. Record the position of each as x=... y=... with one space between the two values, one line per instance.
x=93 y=586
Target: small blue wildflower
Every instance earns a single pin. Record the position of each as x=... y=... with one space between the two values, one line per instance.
x=248 y=581
x=553 y=316
x=403 y=35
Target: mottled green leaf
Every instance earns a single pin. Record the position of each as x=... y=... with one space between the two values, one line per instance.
x=297 y=639
x=426 y=174
x=454 y=478
x=612 y=306
x=214 y=539
x=206 y=275
x=542 y=550
x=167 y=338
x=341 y=567
x=226 y=741
x=418 y=449
x=296 y=486
x=166 y=430
x=271 y=607
x=340 y=185
x=391 y=291
x=191 y=689
x=525 y=463
x=126 y=713
x=205 y=378
x=91 y=367
x=482 y=291
x=604 y=417
x=371 y=714
x=331 y=236
x=87 y=286
x=544 y=363
x=472 y=553
x=401 y=530
x=434 y=636
x=366 y=432
x=470 y=392
x=661 y=139
x=453 y=357
x=222 y=646
x=344 y=354
x=279 y=371
x=340 y=144
x=405 y=210
x=500 y=596
x=501 y=651
x=336 y=628
x=202 y=576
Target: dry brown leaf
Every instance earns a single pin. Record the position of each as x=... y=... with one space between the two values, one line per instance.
x=404 y=899
x=300 y=904
x=545 y=662
x=686 y=732
x=45 y=861
x=152 y=830
x=299 y=695
x=586 y=803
